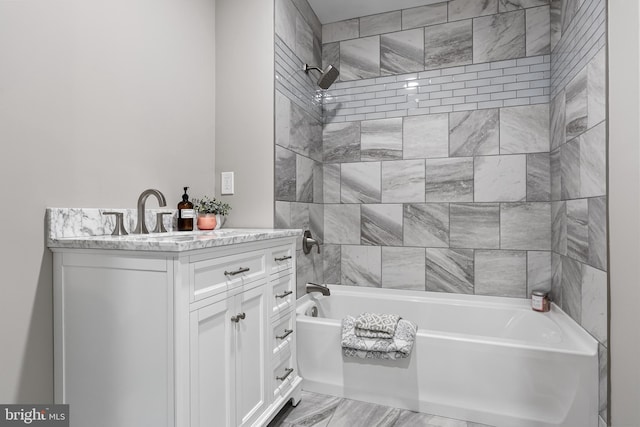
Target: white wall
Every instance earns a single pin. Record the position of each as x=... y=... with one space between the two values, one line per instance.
x=99 y=100
x=245 y=108
x=624 y=210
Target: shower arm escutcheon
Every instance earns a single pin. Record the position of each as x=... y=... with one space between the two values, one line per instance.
x=308 y=241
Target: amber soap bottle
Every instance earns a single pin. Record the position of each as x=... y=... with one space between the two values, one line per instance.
x=185 y=213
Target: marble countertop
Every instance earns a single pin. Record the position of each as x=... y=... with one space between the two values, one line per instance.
x=171 y=241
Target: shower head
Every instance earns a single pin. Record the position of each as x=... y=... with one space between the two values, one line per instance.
x=327 y=77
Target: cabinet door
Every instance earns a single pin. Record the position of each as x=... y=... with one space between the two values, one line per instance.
x=212 y=365
x=252 y=398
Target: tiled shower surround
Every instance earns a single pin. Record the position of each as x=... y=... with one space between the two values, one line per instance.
x=463 y=150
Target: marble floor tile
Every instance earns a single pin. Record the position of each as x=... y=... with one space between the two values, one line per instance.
x=538 y=271
x=501 y=273
x=360 y=182
x=538 y=177
x=304 y=179
x=425 y=136
x=449 y=180
x=331 y=183
x=593 y=161
x=596 y=89
x=578 y=229
x=361 y=266
x=576 y=105
x=331 y=262
x=594 y=303
x=341 y=142
x=499 y=37
x=557 y=118
x=463 y=9
x=382 y=225
x=511 y=5
x=524 y=129
x=423 y=16
x=341 y=30
x=402 y=52
x=314 y=410
x=403 y=268
x=450 y=270
x=381 y=139
x=353 y=413
x=474 y=225
x=500 y=178
x=570 y=170
x=285 y=175
x=525 y=226
x=403 y=181
x=381 y=23
x=448 y=45
x=331 y=55
x=559 y=227
x=538 y=33
x=360 y=58
x=598 y=232
x=426 y=225
x=342 y=224
x=572 y=288
x=473 y=133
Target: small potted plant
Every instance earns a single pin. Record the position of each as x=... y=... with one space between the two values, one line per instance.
x=211 y=212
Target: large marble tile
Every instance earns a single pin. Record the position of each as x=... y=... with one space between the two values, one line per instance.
x=572 y=288
x=282 y=122
x=597 y=89
x=403 y=181
x=309 y=268
x=381 y=23
x=331 y=183
x=594 y=302
x=283 y=215
x=360 y=182
x=474 y=225
x=342 y=224
x=448 y=45
x=598 y=232
x=559 y=227
x=425 y=136
x=524 y=129
x=473 y=133
x=423 y=16
x=381 y=139
x=500 y=178
x=403 y=268
x=363 y=414
x=382 y=225
x=304 y=179
x=578 y=229
x=361 y=266
x=316 y=221
x=568 y=12
x=285 y=22
x=418 y=419
x=310 y=16
x=318 y=182
x=593 y=162
x=331 y=55
x=331 y=262
x=556 y=278
x=341 y=142
x=525 y=226
x=463 y=9
x=360 y=58
x=304 y=41
x=499 y=37
x=285 y=175
x=538 y=271
x=557 y=118
x=426 y=225
x=449 y=180
x=538 y=177
x=555 y=165
x=402 y=52
x=341 y=30
x=305 y=133
x=555 y=22
x=450 y=270
x=576 y=105
x=314 y=410
x=300 y=216
x=501 y=273
x=511 y=5
x=538 y=40
x=570 y=169
x=603 y=383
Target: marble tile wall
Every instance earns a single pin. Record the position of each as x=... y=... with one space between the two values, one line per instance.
x=578 y=170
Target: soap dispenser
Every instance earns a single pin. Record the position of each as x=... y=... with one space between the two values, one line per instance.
x=185 y=213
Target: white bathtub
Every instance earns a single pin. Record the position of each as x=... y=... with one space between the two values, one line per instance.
x=484 y=359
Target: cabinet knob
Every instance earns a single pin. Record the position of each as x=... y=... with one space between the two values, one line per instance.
x=238 y=317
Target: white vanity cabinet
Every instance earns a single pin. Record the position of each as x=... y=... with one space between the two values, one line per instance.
x=187 y=338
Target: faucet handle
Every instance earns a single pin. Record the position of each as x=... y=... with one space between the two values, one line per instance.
x=160 y=222
x=119 y=229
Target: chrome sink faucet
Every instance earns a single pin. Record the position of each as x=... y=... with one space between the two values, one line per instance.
x=141 y=227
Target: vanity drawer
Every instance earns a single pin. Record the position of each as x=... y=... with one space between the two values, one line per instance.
x=284 y=373
x=283 y=333
x=283 y=297
x=213 y=276
x=282 y=259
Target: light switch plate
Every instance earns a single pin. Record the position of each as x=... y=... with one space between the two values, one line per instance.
x=227 y=187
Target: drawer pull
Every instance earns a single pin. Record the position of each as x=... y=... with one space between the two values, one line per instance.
x=288 y=372
x=238 y=317
x=238 y=271
x=287 y=332
x=283 y=258
x=284 y=294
